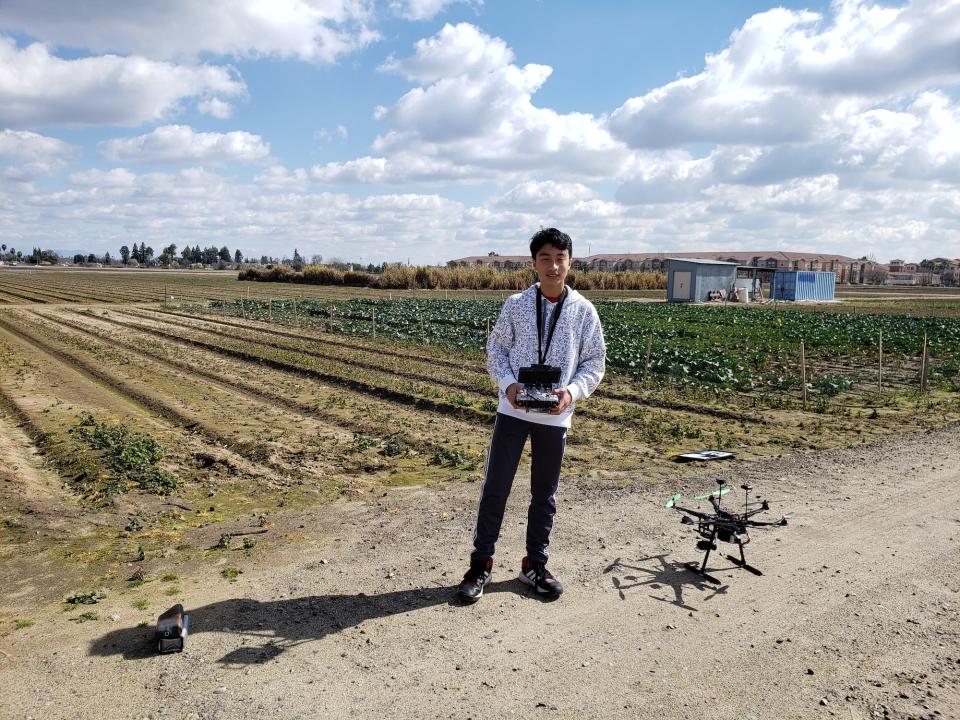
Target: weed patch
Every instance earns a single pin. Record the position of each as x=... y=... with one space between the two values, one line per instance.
x=130 y=457
x=231 y=573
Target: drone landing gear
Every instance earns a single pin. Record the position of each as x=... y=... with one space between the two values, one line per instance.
x=742 y=561
x=708 y=545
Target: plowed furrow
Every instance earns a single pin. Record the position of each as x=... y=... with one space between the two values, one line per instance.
x=48 y=292
x=129 y=389
x=363 y=357
x=312 y=334
x=343 y=375
x=26 y=297
x=257 y=388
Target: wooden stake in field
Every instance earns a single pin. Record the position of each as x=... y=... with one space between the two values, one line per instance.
x=296 y=318
x=373 y=318
x=270 y=308
x=924 y=364
x=646 y=364
x=803 y=372
x=243 y=312
x=880 y=368
x=423 y=331
x=488 y=329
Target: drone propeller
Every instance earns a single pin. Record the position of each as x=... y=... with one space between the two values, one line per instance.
x=716 y=493
x=672 y=501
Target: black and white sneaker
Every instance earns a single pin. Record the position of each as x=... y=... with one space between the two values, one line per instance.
x=475 y=580
x=536 y=575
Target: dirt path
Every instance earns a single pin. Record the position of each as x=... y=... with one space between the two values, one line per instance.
x=856 y=616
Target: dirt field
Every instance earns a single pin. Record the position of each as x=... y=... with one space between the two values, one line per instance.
x=856 y=616
x=327 y=485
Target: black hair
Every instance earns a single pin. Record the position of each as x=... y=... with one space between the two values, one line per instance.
x=550 y=236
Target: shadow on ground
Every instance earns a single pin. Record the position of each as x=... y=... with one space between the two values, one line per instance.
x=664 y=574
x=283 y=624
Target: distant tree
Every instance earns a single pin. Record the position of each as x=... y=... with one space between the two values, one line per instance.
x=264 y=260
x=210 y=255
x=316 y=260
x=224 y=254
x=125 y=253
x=106 y=258
x=167 y=255
x=237 y=256
x=146 y=252
x=91 y=258
x=78 y=259
x=875 y=274
x=297 y=263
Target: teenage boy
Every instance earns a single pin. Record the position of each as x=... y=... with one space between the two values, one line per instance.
x=547 y=324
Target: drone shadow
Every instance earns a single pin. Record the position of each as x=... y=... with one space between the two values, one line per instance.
x=281 y=624
x=674 y=575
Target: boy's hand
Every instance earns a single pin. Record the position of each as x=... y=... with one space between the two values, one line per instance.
x=565 y=399
x=511 y=393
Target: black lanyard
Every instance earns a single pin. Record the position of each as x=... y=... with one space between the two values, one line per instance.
x=542 y=353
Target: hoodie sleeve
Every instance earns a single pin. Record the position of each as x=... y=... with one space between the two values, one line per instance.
x=593 y=358
x=498 y=349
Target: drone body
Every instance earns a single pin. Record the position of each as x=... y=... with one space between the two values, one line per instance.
x=724 y=525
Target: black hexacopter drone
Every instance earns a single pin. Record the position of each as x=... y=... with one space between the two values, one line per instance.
x=724 y=525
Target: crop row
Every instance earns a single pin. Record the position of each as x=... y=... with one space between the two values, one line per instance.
x=735 y=348
x=281 y=386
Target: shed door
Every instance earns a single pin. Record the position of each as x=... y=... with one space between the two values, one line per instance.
x=681 y=285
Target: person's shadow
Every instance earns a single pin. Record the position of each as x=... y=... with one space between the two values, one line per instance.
x=674 y=575
x=282 y=624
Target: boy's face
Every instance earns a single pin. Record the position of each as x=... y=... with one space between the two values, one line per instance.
x=552 y=266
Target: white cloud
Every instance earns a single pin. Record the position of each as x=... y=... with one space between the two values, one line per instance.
x=426 y=9
x=39 y=89
x=461 y=49
x=180 y=143
x=277 y=176
x=215 y=107
x=398 y=169
x=787 y=75
x=315 y=30
x=476 y=110
x=339 y=133
x=115 y=178
x=545 y=194
x=31 y=155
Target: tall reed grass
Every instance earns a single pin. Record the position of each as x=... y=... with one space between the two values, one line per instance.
x=479 y=277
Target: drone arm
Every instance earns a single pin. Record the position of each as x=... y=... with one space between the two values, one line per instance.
x=767 y=523
x=689 y=511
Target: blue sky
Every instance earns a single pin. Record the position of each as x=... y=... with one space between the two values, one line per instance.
x=434 y=129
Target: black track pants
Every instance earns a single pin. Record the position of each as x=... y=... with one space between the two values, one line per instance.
x=547 y=444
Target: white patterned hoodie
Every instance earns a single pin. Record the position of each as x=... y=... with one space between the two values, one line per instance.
x=577 y=348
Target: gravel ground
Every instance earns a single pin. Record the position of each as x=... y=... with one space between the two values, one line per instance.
x=856 y=615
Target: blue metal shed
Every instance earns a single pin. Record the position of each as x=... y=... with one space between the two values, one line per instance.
x=691 y=279
x=803 y=285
